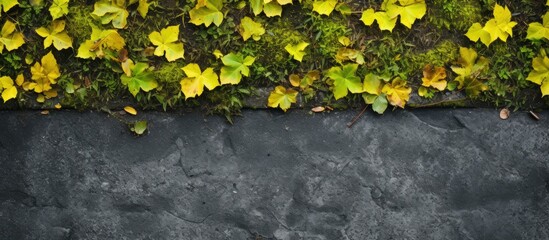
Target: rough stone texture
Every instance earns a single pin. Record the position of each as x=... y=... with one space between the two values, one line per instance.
x=422 y=174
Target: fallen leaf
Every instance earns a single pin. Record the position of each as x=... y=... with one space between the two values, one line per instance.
x=130 y=110
x=504 y=113
x=58 y=106
x=318 y=109
x=45 y=112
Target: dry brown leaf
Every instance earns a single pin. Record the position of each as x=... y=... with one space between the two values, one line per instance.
x=318 y=109
x=504 y=113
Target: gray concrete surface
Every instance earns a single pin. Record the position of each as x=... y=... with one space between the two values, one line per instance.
x=421 y=174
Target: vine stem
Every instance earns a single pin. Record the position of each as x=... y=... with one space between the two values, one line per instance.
x=353 y=121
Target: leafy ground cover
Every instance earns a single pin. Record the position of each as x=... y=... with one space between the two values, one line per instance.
x=214 y=54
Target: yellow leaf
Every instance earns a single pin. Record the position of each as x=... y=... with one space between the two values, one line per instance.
x=193 y=85
x=272 y=9
x=57 y=106
x=345 y=41
x=295 y=80
x=282 y=97
x=59 y=8
x=55 y=34
x=324 y=7
x=45 y=74
x=434 y=77
x=9 y=38
x=50 y=93
x=476 y=32
x=248 y=28
x=9 y=91
x=166 y=42
x=8 y=4
x=143 y=8
x=384 y=21
x=218 y=54
x=127 y=67
x=130 y=110
x=397 y=92
x=368 y=17
x=297 y=51
x=19 y=80
x=40 y=98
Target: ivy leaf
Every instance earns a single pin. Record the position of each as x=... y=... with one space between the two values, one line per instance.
x=9 y=91
x=9 y=38
x=468 y=73
x=537 y=30
x=55 y=34
x=193 y=84
x=207 y=12
x=476 y=32
x=345 y=80
x=140 y=79
x=397 y=92
x=434 y=77
x=324 y=7
x=372 y=84
x=143 y=8
x=409 y=11
x=272 y=9
x=166 y=42
x=8 y=4
x=235 y=66
x=100 y=40
x=139 y=127
x=540 y=74
x=59 y=8
x=45 y=74
x=107 y=11
x=368 y=16
x=256 y=6
x=248 y=28
x=384 y=21
x=297 y=50
x=503 y=21
x=282 y=97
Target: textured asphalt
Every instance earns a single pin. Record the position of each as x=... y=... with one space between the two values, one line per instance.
x=419 y=174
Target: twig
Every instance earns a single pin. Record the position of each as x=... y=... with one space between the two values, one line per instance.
x=350 y=124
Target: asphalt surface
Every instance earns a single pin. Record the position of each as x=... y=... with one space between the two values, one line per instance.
x=420 y=174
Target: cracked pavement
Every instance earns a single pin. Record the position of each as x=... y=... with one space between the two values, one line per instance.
x=409 y=174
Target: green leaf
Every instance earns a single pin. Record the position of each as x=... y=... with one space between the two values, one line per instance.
x=193 y=84
x=248 y=28
x=282 y=97
x=235 y=66
x=324 y=7
x=167 y=43
x=59 y=8
x=8 y=4
x=9 y=38
x=207 y=12
x=380 y=104
x=345 y=80
x=55 y=34
x=139 y=127
x=109 y=12
x=140 y=78
x=297 y=51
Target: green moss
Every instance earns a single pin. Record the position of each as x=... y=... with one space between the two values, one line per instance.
x=273 y=63
x=443 y=53
x=325 y=32
x=78 y=22
x=454 y=14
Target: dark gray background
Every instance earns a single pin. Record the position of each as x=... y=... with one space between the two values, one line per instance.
x=420 y=174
